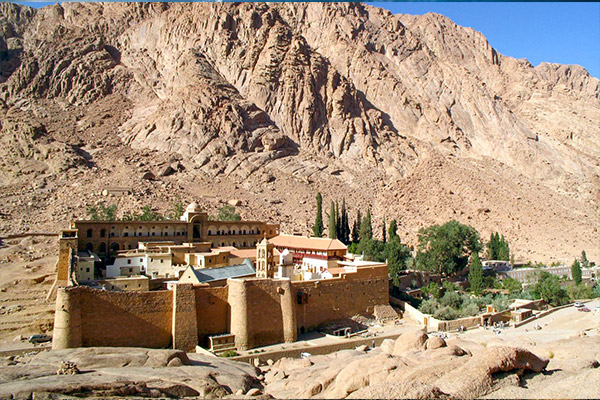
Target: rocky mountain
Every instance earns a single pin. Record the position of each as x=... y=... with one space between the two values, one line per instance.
x=418 y=118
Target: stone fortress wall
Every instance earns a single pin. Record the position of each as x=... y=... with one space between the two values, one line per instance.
x=258 y=311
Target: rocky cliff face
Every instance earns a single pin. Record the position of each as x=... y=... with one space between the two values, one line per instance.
x=388 y=110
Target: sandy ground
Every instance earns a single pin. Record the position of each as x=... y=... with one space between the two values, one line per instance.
x=26 y=274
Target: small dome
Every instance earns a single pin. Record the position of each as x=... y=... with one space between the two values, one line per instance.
x=193 y=207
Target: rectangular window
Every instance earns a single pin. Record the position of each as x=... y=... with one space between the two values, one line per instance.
x=87 y=270
x=128 y=261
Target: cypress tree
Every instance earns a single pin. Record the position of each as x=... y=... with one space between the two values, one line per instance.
x=584 y=260
x=332 y=224
x=338 y=224
x=576 y=272
x=366 y=228
x=503 y=251
x=393 y=230
x=318 y=226
x=356 y=228
x=345 y=225
x=384 y=231
x=475 y=274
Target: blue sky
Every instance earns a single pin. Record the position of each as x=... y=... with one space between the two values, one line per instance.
x=565 y=33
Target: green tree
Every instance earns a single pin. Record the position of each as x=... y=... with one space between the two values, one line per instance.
x=345 y=224
x=177 y=210
x=584 y=260
x=393 y=230
x=384 y=233
x=366 y=229
x=318 y=226
x=102 y=212
x=548 y=288
x=476 y=274
x=432 y=290
x=149 y=215
x=397 y=256
x=446 y=249
x=332 y=222
x=492 y=247
x=227 y=213
x=356 y=228
x=503 y=250
x=576 y=272
x=512 y=285
x=373 y=250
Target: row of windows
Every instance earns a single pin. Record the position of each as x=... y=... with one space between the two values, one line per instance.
x=90 y=233
x=234 y=232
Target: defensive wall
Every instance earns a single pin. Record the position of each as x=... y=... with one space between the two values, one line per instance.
x=257 y=311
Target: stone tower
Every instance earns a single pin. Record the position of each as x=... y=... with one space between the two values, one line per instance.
x=67 y=247
x=265 y=264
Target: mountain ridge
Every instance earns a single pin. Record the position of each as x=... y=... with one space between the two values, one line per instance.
x=325 y=96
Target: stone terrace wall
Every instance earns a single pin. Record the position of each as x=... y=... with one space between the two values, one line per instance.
x=349 y=295
x=213 y=313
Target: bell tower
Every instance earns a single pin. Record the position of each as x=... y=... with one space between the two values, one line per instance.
x=265 y=264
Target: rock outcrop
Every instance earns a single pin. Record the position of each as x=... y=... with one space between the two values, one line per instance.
x=420 y=367
x=125 y=372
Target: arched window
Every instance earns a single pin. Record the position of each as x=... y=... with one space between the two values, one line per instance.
x=103 y=233
x=114 y=246
x=89 y=233
x=102 y=248
x=89 y=247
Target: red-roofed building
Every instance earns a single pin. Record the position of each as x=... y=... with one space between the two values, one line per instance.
x=311 y=254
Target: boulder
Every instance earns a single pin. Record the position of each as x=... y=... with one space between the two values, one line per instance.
x=475 y=377
x=387 y=346
x=148 y=176
x=253 y=392
x=410 y=341
x=234 y=202
x=166 y=171
x=435 y=343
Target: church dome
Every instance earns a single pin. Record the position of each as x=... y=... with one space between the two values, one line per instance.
x=193 y=208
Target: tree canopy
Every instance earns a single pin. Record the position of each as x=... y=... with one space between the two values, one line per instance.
x=446 y=249
x=576 y=272
x=476 y=274
x=318 y=226
x=548 y=288
x=227 y=213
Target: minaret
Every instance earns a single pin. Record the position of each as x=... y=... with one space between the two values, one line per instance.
x=265 y=265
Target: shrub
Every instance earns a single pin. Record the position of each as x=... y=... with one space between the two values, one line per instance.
x=432 y=289
x=446 y=313
x=229 y=353
x=449 y=286
x=469 y=310
x=512 y=285
x=429 y=306
x=227 y=213
x=451 y=299
x=501 y=302
x=580 y=291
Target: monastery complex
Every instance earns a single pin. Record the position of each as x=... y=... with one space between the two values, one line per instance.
x=219 y=285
